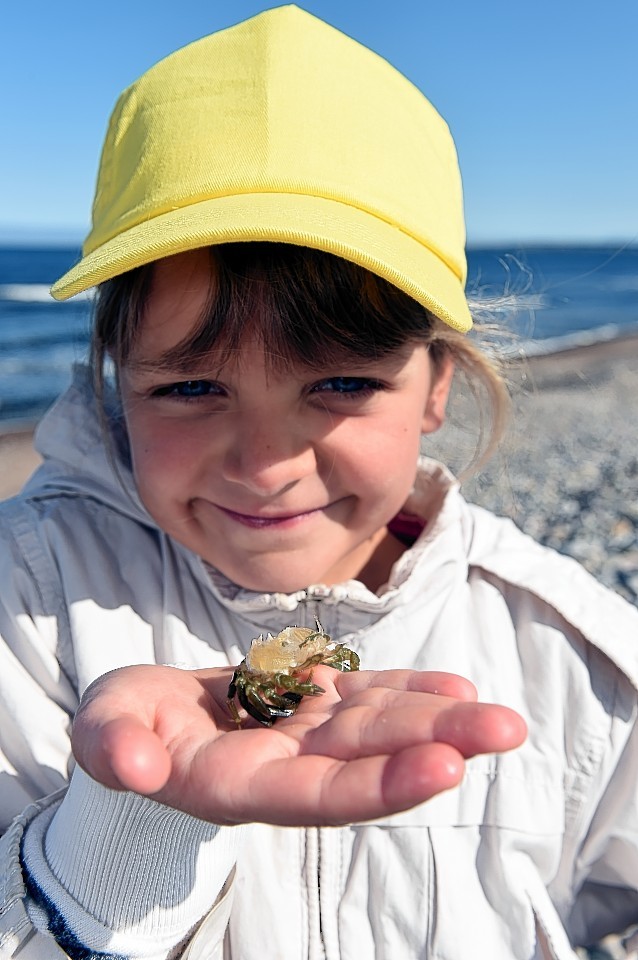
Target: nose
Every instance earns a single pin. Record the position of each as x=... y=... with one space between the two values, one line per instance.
x=267 y=455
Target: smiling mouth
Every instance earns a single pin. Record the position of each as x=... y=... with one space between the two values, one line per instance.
x=259 y=522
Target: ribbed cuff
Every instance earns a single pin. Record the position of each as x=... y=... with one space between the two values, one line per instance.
x=127 y=875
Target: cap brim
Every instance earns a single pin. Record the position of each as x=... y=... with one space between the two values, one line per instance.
x=304 y=220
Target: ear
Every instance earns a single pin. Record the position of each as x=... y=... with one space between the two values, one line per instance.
x=434 y=413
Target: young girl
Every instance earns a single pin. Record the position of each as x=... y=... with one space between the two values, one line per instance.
x=278 y=244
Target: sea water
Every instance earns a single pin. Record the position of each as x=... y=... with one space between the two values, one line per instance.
x=551 y=297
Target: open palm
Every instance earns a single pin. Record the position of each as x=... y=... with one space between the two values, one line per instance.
x=373 y=744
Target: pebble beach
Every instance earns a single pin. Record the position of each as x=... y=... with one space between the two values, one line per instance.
x=566 y=471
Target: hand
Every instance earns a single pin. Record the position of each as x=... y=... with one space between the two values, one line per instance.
x=373 y=744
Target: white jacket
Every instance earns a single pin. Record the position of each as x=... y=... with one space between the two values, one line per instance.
x=536 y=851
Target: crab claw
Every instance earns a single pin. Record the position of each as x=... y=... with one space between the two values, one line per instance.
x=266 y=712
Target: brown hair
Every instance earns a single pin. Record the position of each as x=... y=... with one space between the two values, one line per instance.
x=305 y=306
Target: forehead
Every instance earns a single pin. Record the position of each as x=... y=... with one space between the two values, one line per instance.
x=181 y=288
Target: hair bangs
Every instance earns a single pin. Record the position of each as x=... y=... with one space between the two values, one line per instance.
x=302 y=306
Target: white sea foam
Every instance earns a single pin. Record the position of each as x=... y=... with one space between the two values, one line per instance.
x=31 y=293
x=580 y=338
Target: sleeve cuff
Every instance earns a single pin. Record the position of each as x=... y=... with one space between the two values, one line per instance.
x=125 y=874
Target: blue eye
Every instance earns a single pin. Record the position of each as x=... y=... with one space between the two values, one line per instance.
x=347 y=385
x=188 y=389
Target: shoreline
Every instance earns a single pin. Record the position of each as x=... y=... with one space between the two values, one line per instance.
x=581 y=360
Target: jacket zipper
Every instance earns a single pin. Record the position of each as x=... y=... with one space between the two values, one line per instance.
x=316 y=946
x=316 y=949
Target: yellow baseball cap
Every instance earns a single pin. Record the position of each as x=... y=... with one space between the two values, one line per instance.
x=281 y=129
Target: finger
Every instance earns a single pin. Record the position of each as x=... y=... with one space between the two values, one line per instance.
x=324 y=792
x=389 y=785
x=480 y=728
x=422 y=681
x=444 y=684
x=123 y=754
x=385 y=722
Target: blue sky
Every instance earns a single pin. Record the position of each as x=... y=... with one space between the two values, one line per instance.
x=542 y=98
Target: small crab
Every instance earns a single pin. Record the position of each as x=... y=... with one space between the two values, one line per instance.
x=277 y=672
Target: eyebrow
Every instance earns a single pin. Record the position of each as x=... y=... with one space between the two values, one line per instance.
x=164 y=364
x=174 y=363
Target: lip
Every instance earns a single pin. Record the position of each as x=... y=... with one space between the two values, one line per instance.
x=263 y=521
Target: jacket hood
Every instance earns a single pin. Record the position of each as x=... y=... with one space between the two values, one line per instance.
x=85 y=452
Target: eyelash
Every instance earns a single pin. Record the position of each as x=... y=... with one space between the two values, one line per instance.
x=363 y=388
x=172 y=390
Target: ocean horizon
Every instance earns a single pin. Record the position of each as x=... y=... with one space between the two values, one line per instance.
x=551 y=297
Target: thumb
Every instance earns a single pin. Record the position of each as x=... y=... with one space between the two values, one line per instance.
x=122 y=753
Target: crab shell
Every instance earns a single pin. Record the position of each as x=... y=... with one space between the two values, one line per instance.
x=288 y=651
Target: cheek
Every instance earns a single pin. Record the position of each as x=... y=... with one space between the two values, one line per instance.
x=159 y=458
x=384 y=461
